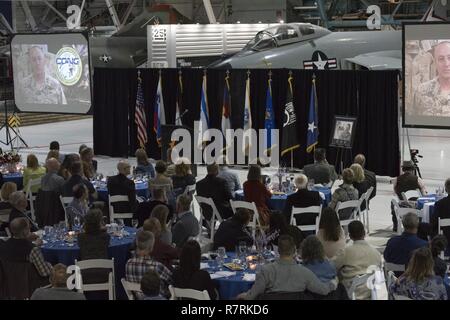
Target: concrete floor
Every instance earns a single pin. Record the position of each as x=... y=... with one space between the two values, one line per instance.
x=433 y=145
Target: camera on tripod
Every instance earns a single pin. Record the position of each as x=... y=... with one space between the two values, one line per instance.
x=414 y=154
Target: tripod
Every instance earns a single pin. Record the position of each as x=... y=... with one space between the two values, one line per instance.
x=8 y=129
x=414 y=154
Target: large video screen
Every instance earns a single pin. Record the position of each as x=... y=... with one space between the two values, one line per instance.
x=426 y=74
x=51 y=72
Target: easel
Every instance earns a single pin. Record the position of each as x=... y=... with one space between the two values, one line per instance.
x=340 y=154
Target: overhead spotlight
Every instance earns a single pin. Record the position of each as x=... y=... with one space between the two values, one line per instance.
x=281 y=21
x=259 y=22
x=238 y=22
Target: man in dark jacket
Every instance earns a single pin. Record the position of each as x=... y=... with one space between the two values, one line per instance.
x=76 y=171
x=233 y=230
x=216 y=188
x=186 y=225
x=121 y=185
x=442 y=210
x=369 y=176
x=303 y=198
x=320 y=171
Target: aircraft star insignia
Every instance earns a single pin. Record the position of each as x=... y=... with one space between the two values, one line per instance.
x=105 y=58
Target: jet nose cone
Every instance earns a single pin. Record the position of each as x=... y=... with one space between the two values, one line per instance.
x=221 y=64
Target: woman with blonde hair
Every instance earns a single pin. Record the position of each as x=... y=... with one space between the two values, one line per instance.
x=53 y=154
x=419 y=281
x=32 y=171
x=7 y=189
x=359 y=180
x=144 y=166
x=161 y=212
x=183 y=176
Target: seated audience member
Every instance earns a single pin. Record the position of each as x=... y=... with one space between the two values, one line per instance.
x=66 y=164
x=359 y=182
x=215 y=188
x=19 y=203
x=76 y=177
x=313 y=258
x=355 y=259
x=442 y=210
x=230 y=177
x=419 y=282
x=330 y=233
x=19 y=248
x=161 y=252
x=405 y=182
x=285 y=275
x=301 y=199
x=32 y=171
x=255 y=191
x=89 y=164
x=121 y=185
x=186 y=225
x=345 y=192
x=437 y=245
x=278 y=226
x=399 y=248
x=51 y=181
x=188 y=275
x=138 y=266
x=234 y=230
x=7 y=189
x=145 y=208
x=161 y=212
x=81 y=148
x=369 y=176
x=79 y=205
x=52 y=154
x=161 y=180
x=58 y=289
x=54 y=145
x=150 y=286
x=320 y=171
x=144 y=166
x=183 y=176
x=170 y=170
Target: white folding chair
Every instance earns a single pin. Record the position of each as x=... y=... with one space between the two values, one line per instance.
x=65 y=201
x=214 y=218
x=365 y=213
x=391 y=278
x=361 y=280
x=178 y=293
x=411 y=194
x=29 y=195
x=190 y=189
x=130 y=288
x=99 y=264
x=299 y=211
x=119 y=215
x=254 y=223
x=346 y=206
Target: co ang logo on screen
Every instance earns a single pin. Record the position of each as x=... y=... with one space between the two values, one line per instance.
x=69 y=66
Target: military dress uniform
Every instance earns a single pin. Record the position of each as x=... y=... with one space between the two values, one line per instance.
x=431 y=101
x=50 y=93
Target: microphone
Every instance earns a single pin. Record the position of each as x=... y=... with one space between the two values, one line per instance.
x=181 y=115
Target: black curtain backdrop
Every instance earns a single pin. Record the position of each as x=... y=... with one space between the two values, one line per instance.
x=371 y=96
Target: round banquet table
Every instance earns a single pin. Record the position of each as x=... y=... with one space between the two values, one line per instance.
x=119 y=249
x=229 y=287
x=278 y=201
x=426 y=204
x=141 y=190
x=15 y=177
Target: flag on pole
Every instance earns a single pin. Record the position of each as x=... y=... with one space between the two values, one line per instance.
x=247 y=115
x=204 y=114
x=269 y=122
x=179 y=103
x=226 y=105
x=289 y=140
x=139 y=115
x=313 y=119
x=159 y=116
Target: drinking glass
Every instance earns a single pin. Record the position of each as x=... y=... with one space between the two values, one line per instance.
x=221 y=253
x=77 y=222
x=135 y=223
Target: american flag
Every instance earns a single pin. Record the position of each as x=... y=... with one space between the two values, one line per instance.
x=139 y=116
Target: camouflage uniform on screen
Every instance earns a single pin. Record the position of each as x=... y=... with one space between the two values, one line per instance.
x=50 y=93
x=431 y=101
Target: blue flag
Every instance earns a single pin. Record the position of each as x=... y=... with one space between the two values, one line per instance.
x=313 y=120
x=269 y=122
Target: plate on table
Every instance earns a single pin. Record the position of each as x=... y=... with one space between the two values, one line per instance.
x=233 y=266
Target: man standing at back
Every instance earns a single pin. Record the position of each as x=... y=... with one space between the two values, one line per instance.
x=216 y=188
x=368 y=175
x=320 y=171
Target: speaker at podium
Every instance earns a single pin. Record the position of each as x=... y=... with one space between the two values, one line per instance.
x=166 y=143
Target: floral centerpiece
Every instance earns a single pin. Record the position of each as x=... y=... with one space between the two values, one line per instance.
x=9 y=160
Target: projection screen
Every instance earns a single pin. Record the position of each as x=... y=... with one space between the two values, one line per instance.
x=51 y=72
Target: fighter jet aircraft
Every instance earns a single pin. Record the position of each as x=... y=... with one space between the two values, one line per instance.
x=307 y=46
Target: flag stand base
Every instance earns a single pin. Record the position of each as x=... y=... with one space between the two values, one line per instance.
x=340 y=155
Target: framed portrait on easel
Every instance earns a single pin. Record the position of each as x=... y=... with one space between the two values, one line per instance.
x=343 y=133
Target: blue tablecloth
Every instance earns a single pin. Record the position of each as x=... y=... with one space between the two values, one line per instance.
x=141 y=190
x=422 y=200
x=230 y=287
x=278 y=201
x=17 y=178
x=60 y=252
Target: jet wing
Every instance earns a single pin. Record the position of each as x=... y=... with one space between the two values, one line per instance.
x=379 y=60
